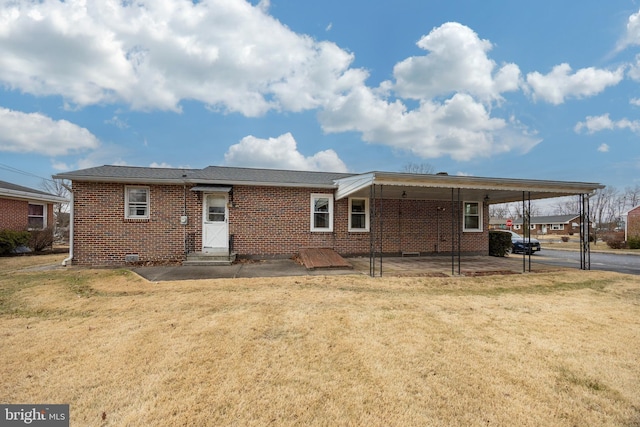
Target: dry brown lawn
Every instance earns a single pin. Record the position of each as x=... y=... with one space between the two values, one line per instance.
x=544 y=349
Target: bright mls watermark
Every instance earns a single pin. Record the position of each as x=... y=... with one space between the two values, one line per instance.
x=34 y=415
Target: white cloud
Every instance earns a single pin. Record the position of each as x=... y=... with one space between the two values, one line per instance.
x=459 y=127
x=60 y=166
x=594 y=124
x=455 y=85
x=160 y=165
x=634 y=70
x=152 y=54
x=280 y=153
x=632 y=35
x=603 y=148
x=36 y=133
x=457 y=62
x=117 y=122
x=560 y=84
x=635 y=101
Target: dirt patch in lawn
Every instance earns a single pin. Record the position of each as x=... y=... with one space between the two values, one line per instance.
x=555 y=348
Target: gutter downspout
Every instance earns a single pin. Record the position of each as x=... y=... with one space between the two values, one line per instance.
x=71 y=210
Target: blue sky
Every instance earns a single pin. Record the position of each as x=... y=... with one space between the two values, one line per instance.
x=537 y=90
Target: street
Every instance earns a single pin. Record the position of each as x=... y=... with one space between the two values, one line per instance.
x=621 y=263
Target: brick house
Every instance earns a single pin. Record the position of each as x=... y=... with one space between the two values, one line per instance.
x=554 y=225
x=23 y=208
x=632 y=223
x=121 y=214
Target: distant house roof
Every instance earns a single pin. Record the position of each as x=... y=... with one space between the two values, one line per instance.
x=553 y=219
x=391 y=185
x=497 y=221
x=14 y=191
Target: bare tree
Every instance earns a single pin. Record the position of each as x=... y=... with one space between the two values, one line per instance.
x=632 y=196
x=567 y=206
x=602 y=207
x=60 y=210
x=512 y=210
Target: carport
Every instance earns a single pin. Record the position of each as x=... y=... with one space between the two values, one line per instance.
x=451 y=194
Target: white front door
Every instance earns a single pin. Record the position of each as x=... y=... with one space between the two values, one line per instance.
x=215 y=224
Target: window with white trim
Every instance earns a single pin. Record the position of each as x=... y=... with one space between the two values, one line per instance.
x=37 y=216
x=322 y=212
x=516 y=227
x=472 y=216
x=136 y=202
x=557 y=226
x=358 y=214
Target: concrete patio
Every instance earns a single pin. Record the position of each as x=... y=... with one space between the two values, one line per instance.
x=426 y=266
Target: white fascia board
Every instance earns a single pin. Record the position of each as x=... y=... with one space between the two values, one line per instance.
x=478 y=183
x=23 y=195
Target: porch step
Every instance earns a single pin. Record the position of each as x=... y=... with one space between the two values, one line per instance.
x=209 y=258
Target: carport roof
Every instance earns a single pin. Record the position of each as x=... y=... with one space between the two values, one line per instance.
x=394 y=185
x=440 y=187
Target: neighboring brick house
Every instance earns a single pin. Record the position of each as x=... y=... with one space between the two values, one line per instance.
x=555 y=224
x=122 y=214
x=23 y=208
x=632 y=223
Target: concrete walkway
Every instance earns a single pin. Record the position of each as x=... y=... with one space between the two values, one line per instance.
x=264 y=268
x=434 y=266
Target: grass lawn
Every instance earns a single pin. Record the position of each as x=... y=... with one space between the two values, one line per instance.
x=543 y=349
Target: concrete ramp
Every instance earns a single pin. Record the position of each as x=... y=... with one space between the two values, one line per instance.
x=323 y=258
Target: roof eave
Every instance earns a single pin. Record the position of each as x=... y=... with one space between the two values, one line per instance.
x=32 y=196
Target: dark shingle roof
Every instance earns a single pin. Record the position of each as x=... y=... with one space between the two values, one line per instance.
x=271 y=175
x=554 y=219
x=14 y=190
x=211 y=174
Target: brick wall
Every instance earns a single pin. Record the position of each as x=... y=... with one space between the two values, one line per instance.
x=272 y=221
x=102 y=235
x=14 y=214
x=51 y=220
x=265 y=222
x=633 y=223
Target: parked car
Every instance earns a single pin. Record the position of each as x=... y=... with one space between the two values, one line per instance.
x=521 y=244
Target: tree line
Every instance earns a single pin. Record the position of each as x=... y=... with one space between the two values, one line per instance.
x=606 y=206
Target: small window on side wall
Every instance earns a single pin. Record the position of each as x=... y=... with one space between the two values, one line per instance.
x=472 y=216
x=358 y=214
x=136 y=203
x=37 y=216
x=322 y=212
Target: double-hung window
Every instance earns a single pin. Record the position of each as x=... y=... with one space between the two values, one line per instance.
x=136 y=203
x=472 y=216
x=37 y=216
x=358 y=214
x=322 y=212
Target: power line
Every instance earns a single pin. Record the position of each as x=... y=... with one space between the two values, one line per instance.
x=21 y=172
